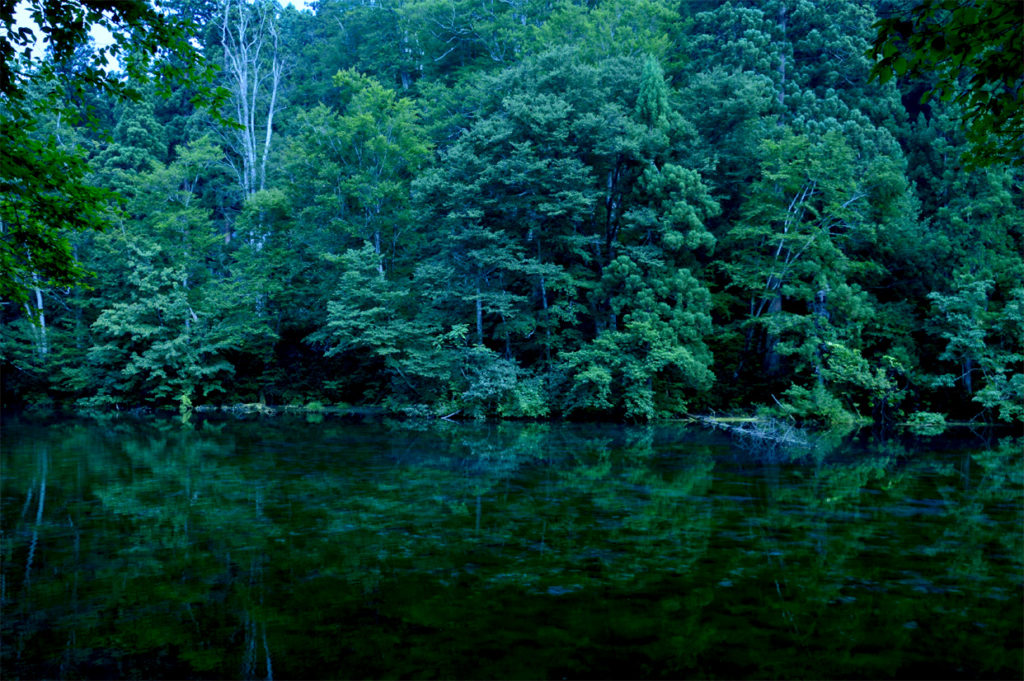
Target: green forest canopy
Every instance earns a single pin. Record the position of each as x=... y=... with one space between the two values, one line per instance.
x=526 y=210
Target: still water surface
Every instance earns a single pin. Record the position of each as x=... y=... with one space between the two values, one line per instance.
x=287 y=549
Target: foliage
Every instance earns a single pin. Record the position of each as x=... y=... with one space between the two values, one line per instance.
x=44 y=190
x=142 y=34
x=520 y=210
x=44 y=194
x=926 y=422
x=968 y=52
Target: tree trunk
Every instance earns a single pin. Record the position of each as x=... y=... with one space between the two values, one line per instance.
x=39 y=318
x=246 y=33
x=479 y=317
x=376 y=249
x=782 y=60
x=611 y=227
x=772 y=359
x=508 y=338
x=547 y=321
x=544 y=307
x=275 y=82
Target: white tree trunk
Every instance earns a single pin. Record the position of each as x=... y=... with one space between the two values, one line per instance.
x=41 y=318
x=250 y=40
x=34 y=311
x=479 y=317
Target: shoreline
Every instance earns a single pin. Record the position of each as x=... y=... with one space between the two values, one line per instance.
x=745 y=425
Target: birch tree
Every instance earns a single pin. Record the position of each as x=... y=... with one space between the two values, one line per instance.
x=250 y=39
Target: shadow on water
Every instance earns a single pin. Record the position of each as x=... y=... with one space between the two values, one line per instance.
x=279 y=548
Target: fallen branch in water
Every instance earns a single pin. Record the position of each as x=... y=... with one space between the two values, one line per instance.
x=770 y=433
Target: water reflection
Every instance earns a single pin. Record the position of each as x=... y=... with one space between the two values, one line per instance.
x=333 y=550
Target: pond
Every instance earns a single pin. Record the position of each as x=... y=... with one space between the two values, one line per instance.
x=282 y=548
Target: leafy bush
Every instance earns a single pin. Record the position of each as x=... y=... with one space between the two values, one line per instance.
x=816 y=405
x=926 y=423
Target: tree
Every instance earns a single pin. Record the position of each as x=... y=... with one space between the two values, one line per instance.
x=613 y=28
x=43 y=186
x=655 y=358
x=571 y=229
x=250 y=40
x=170 y=318
x=43 y=191
x=973 y=303
x=435 y=205
x=795 y=256
x=352 y=171
x=968 y=51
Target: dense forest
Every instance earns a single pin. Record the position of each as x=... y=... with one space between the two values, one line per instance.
x=600 y=209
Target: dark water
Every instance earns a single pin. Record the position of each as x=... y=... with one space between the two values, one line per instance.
x=286 y=549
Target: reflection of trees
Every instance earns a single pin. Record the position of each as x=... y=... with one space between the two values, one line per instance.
x=126 y=515
x=259 y=549
x=28 y=528
x=837 y=536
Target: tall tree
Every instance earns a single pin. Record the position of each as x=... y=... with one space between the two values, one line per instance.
x=250 y=43
x=556 y=207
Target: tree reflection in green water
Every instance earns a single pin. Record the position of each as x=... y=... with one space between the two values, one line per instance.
x=255 y=550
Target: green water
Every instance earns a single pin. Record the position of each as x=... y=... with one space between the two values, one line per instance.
x=287 y=549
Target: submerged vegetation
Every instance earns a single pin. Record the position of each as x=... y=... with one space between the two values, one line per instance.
x=592 y=210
